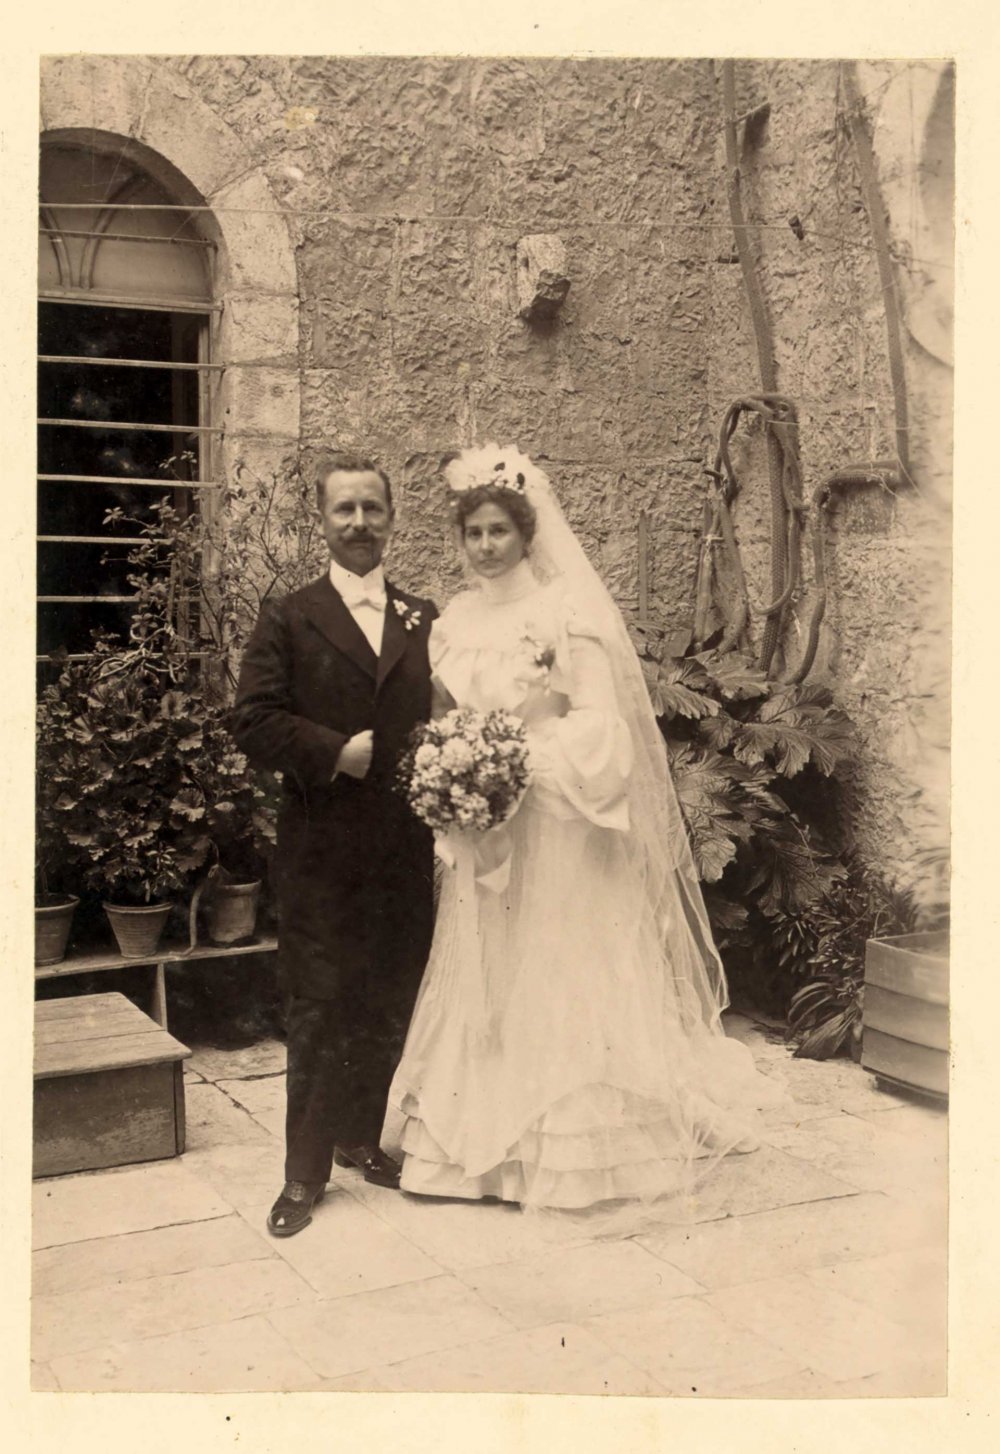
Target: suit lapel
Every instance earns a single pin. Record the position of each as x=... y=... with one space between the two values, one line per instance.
x=326 y=610
x=394 y=635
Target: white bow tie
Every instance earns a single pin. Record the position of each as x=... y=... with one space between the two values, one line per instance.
x=358 y=592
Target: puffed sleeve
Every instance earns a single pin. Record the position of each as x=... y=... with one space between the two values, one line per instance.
x=583 y=758
x=450 y=659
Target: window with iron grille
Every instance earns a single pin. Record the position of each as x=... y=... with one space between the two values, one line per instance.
x=124 y=381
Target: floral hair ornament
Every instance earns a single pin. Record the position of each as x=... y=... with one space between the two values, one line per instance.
x=505 y=469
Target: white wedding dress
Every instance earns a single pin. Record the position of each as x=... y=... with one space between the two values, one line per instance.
x=563 y=1051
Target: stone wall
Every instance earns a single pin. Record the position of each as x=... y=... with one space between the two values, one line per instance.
x=885 y=638
x=401 y=188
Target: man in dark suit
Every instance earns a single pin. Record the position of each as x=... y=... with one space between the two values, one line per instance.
x=333 y=681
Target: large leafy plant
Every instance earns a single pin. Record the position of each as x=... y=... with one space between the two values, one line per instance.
x=119 y=736
x=762 y=772
x=825 y=1012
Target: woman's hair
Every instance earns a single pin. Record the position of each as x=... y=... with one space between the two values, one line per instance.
x=520 y=510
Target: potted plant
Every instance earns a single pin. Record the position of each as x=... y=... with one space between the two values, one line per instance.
x=54 y=855
x=240 y=823
x=127 y=803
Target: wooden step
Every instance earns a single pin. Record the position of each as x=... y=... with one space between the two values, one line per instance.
x=109 y=1086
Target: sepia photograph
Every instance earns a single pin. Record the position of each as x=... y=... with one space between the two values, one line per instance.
x=492 y=742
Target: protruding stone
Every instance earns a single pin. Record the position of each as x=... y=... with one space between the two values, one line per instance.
x=542 y=281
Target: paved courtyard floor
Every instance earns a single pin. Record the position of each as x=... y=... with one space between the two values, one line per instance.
x=817 y=1269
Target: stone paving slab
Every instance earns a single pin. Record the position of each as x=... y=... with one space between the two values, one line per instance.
x=820 y=1328
x=911 y=1286
x=460 y=1234
x=388 y=1325
x=579 y=1284
x=790 y=1239
x=761 y=1180
x=214 y=1119
x=268 y=1057
x=246 y=1355
x=864 y=1151
x=909 y=1380
x=347 y=1250
x=840 y=1085
x=560 y=1358
x=109 y=1203
x=77 y=1267
x=75 y=1322
x=264 y=1098
x=691 y=1348
x=242 y=1177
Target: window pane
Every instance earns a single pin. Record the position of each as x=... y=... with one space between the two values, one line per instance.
x=95 y=395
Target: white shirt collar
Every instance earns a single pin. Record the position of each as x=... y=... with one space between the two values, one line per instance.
x=350 y=585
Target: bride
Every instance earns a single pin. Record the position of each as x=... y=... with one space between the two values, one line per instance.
x=566 y=1048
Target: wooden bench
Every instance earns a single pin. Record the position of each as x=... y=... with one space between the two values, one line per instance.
x=109 y=1086
x=157 y=962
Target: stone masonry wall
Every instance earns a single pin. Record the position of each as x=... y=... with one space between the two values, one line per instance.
x=405 y=185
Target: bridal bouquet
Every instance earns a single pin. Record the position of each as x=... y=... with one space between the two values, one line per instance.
x=466 y=769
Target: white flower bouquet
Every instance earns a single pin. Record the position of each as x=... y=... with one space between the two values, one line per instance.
x=466 y=770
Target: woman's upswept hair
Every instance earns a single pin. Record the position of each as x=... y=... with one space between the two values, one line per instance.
x=520 y=510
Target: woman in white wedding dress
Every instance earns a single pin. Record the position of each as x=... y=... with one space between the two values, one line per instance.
x=566 y=1049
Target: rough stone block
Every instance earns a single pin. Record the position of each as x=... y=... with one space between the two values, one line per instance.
x=261 y=401
x=258 y=255
x=348 y=260
x=508 y=107
x=178 y=124
x=341 y=335
x=334 y=408
x=84 y=91
x=259 y=327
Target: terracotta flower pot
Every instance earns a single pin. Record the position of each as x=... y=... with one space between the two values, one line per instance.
x=52 y=926
x=231 y=910
x=138 y=927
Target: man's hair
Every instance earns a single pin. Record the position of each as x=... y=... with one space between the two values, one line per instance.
x=335 y=460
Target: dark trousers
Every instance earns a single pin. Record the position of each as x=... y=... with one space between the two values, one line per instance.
x=341 y=1060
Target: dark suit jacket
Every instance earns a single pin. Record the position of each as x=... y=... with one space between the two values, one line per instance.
x=354 y=866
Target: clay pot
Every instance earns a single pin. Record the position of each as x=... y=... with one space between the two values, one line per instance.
x=137 y=928
x=52 y=926
x=231 y=911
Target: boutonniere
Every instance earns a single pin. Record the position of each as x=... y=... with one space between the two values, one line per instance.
x=407 y=614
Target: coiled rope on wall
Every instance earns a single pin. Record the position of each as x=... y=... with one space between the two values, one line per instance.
x=779 y=417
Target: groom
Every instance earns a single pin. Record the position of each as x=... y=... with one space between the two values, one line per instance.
x=333 y=680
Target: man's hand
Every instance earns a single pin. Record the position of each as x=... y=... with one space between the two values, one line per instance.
x=356 y=755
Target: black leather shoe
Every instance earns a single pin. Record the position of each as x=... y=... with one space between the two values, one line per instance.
x=293 y=1209
x=377 y=1168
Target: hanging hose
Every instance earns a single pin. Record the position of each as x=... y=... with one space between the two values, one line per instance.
x=880 y=237
x=884 y=473
x=780 y=420
x=765 y=360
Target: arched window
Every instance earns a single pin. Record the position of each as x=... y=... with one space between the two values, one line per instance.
x=125 y=304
